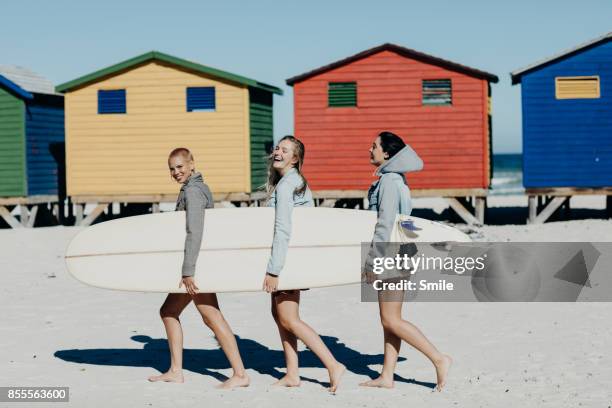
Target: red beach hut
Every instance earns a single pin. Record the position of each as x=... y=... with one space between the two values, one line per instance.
x=441 y=108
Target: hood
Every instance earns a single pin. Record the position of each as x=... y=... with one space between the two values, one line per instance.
x=404 y=161
x=196 y=177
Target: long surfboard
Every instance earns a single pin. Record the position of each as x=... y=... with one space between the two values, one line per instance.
x=145 y=253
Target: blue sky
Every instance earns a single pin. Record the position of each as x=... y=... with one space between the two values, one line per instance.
x=274 y=40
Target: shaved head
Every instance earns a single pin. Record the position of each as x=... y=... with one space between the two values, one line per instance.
x=181 y=151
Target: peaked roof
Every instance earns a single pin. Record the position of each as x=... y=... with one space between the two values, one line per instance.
x=403 y=51
x=24 y=82
x=516 y=75
x=159 y=56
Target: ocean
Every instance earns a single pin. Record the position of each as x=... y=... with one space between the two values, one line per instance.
x=507 y=174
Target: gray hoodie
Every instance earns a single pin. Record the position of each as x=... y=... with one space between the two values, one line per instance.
x=389 y=195
x=194 y=197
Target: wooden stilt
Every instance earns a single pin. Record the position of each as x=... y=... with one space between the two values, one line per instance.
x=550 y=208
x=533 y=209
x=8 y=217
x=480 y=206
x=55 y=211
x=462 y=211
x=93 y=215
x=24 y=213
x=32 y=216
x=155 y=208
x=79 y=213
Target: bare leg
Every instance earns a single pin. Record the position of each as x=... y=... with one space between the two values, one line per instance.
x=207 y=305
x=287 y=307
x=392 y=348
x=391 y=318
x=170 y=311
x=289 y=341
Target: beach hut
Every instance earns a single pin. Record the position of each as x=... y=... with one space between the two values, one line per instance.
x=567 y=126
x=122 y=121
x=440 y=107
x=31 y=144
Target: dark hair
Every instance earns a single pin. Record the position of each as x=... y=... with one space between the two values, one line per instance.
x=274 y=176
x=391 y=143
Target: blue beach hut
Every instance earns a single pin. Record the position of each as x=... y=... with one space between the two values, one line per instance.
x=567 y=117
x=567 y=123
x=31 y=140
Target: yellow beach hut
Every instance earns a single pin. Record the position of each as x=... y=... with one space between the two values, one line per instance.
x=122 y=121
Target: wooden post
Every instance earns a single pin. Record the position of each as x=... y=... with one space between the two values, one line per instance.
x=462 y=211
x=55 y=212
x=155 y=208
x=481 y=205
x=23 y=211
x=10 y=220
x=32 y=216
x=94 y=214
x=79 y=213
x=533 y=209
x=549 y=209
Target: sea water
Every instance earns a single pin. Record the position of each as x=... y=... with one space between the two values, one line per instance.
x=507 y=174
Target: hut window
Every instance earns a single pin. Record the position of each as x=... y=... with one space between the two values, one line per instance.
x=437 y=92
x=342 y=94
x=586 y=87
x=201 y=99
x=111 y=101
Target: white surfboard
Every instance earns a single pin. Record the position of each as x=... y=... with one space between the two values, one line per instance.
x=145 y=253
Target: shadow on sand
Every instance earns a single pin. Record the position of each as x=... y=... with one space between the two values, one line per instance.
x=513 y=215
x=256 y=356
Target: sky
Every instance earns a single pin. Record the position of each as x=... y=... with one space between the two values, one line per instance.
x=272 y=40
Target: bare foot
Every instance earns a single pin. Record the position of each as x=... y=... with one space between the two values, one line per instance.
x=334 y=377
x=234 y=382
x=442 y=368
x=169 y=376
x=379 y=382
x=288 y=381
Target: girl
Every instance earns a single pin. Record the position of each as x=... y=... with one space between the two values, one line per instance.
x=193 y=198
x=288 y=188
x=389 y=196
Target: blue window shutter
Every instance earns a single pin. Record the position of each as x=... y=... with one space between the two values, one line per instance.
x=201 y=99
x=111 y=101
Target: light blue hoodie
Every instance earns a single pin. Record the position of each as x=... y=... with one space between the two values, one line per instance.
x=283 y=200
x=389 y=195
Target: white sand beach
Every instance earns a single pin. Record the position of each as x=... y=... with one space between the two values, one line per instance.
x=55 y=331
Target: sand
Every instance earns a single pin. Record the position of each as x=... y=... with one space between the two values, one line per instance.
x=55 y=331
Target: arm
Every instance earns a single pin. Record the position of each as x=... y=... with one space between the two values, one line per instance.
x=282 y=228
x=388 y=205
x=195 y=202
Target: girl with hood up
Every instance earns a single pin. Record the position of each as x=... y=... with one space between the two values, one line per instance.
x=390 y=196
